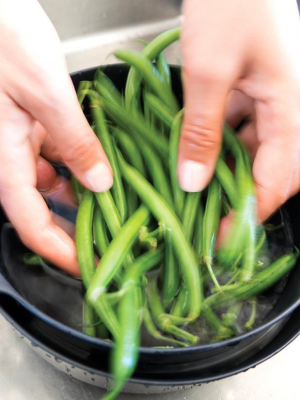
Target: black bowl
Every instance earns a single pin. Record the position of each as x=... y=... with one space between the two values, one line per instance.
x=193 y=364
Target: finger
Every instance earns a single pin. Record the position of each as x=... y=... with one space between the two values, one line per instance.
x=24 y=206
x=50 y=98
x=248 y=136
x=239 y=106
x=206 y=87
x=29 y=214
x=64 y=224
x=224 y=226
x=49 y=151
x=54 y=186
x=274 y=170
x=201 y=131
x=47 y=177
x=43 y=143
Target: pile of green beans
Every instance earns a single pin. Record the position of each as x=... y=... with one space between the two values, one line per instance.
x=158 y=264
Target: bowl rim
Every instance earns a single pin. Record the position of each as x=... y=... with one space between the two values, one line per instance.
x=215 y=376
x=148 y=351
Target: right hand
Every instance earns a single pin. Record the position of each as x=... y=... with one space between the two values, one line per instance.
x=40 y=114
x=253 y=47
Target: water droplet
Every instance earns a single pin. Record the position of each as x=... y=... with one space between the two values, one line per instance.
x=58 y=360
x=48 y=355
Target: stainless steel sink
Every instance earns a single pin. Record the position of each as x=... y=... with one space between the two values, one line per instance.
x=90 y=30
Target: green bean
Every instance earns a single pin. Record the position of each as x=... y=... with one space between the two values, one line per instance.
x=222 y=331
x=179 y=195
x=163 y=68
x=261 y=241
x=109 y=211
x=141 y=265
x=157 y=234
x=102 y=331
x=249 y=324
x=151 y=328
x=259 y=282
x=272 y=227
x=111 y=217
x=171 y=272
x=130 y=150
x=248 y=264
x=151 y=76
x=84 y=238
x=77 y=188
x=115 y=254
x=189 y=213
x=106 y=141
x=226 y=207
x=86 y=258
x=185 y=254
x=231 y=316
x=152 y=50
x=136 y=125
x=101 y=239
x=161 y=111
x=125 y=352
x=181 y=303
x=82 y=90
x=106 y=88
x=162 y=319
x=132 y=200
x=100 y=233
x=108 y=316
x=150 y=118
x=126 y=349
x=83 y=87
x=227 y=181
x=241 y=232
x=88 y=319
x=210 y=226
x=198 y=230
x=32 y=259
x=156 y=170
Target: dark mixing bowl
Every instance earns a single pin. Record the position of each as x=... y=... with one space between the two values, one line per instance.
x=157 y=366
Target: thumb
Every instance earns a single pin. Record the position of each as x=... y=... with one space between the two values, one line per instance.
x=201 y=134
x=52 y=101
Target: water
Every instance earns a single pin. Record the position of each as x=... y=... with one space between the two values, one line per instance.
x=60 y=296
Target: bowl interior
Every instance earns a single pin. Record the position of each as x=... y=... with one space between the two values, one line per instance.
x=58 y=297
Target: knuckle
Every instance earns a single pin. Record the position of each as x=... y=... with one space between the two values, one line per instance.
x=32 y=240
x=81 y=152
x=199 y=136
x=209 y=73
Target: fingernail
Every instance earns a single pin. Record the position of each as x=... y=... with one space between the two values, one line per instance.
x=99 y=178
x=192 y=176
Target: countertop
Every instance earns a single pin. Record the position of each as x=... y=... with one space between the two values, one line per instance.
x=24 y=375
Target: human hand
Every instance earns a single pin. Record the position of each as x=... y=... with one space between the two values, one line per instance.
x=40 y=120
x=254 y=48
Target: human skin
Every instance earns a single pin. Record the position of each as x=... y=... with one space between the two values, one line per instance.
x=242 y=58
x=41 y=120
